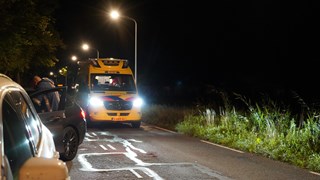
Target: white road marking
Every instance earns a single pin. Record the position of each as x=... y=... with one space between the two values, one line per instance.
x=102 y=146
x=163 y=129
x=314 y=173
x=116 y=139
x=130 y=153
x=86 y=166
x=88 y=135
x=133 y=140
x=142 y=166
x=111 y=147
x=221 y=146
x=135 y=173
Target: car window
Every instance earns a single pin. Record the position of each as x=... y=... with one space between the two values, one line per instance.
x=33 y=123
x=112 y=82
x=16 y=139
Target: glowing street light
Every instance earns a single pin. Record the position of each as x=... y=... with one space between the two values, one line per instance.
x=115 y=15
x=74 y=58
x=64 y=72
x=86 y=48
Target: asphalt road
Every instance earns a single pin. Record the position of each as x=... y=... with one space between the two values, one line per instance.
x=121 y=152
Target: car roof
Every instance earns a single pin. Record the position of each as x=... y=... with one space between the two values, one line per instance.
x=7 y=81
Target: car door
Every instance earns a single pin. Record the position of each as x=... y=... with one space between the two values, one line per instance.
x=27 y=149
x=68 y=127
x=18 y=136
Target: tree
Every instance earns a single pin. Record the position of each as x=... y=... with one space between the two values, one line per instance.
x=28 y=37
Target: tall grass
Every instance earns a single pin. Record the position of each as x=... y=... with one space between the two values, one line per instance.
x=164 y=115
x=265 y=128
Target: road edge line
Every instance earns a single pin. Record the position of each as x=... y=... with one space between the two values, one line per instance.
x=221 y=146
x=315 y=173
x=163 y=129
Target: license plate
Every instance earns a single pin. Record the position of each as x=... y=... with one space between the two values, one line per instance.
x=118 y=119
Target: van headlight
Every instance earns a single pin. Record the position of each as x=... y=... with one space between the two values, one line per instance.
x=95 y=102
x=138 y=102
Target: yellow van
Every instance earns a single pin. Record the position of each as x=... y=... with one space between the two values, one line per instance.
x=113 y=95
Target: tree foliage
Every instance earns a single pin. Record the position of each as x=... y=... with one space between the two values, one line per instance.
x=28 y=37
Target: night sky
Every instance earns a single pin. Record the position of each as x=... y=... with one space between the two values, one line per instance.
x=229 y=44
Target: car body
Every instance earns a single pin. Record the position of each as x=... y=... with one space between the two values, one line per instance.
x=27 y=147
x=67 y=124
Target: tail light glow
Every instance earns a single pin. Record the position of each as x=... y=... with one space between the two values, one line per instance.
x=83 y=114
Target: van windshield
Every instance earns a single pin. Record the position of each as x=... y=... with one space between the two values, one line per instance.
x=112 y=82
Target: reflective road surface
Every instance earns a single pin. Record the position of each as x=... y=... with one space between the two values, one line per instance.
x=122 y=152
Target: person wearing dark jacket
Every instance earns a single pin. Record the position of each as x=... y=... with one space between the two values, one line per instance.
x=46 y=102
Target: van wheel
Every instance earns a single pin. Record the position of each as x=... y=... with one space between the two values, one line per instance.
x=136 y=124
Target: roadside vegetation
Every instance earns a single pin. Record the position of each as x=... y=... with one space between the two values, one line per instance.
x=266 y=127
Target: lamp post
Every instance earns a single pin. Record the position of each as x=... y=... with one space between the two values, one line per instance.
x=86 y=47
x=74 y=58
x=115 y=15
x=64 y=72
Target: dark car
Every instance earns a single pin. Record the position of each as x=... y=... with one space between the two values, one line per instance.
x=67 y=124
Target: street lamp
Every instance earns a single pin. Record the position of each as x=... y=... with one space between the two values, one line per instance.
x=74 y=58
x=115 y=15
x=86 y=47
x=54 y=76
x=64 y=72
